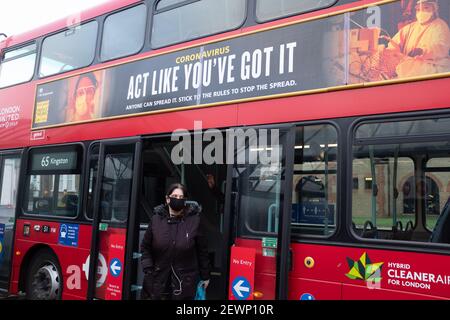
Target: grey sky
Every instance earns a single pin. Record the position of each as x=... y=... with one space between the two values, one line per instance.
x=18 y=16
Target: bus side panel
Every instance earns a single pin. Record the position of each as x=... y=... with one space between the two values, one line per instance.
x=323 y=290
x=412 y=96
x=265 y=277
x=16 y=106
x=110 y=264
x=71 y=248
x=352 y=292
x=265 y=269
x=367 y=273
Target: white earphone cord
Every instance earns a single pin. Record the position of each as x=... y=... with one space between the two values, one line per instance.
x=180 y=290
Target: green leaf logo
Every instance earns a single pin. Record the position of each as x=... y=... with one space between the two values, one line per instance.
x=364 y=269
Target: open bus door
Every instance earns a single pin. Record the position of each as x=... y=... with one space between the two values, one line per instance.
x=114 y=222
x=9 y=179
x=259 y=207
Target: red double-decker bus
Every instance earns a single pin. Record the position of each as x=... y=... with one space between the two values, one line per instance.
x=342 y=105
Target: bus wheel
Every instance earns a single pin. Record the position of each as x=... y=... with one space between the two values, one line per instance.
x=44 y=280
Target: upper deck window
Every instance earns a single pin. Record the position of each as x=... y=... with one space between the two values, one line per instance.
x=177 y=21
x=17 y=66
x=163 y=4
x=123 y=33
x=68 y=50
x=270 y=9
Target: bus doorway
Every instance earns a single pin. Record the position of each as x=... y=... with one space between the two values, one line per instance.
x=205 y=184
x=9 y=178
x=288 y=194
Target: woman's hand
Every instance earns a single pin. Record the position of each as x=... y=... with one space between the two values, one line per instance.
x=204 y=283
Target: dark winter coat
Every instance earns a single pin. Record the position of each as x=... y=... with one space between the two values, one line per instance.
x=174 y=254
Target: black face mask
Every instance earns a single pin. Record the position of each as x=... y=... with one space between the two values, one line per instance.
x=177 y=204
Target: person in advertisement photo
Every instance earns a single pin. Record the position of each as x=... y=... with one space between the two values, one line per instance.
x=424 y=43
x=175 y=251
x=85 y=98
x=398 y=41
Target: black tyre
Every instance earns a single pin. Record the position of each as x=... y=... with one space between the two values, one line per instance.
x=43 y=278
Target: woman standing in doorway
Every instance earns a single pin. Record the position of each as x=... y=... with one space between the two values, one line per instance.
x=174 y=250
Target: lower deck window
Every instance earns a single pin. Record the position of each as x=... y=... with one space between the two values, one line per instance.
x=314 y=192
x=261 y=188
x=408 y=198
x=54 y=194
x=53 y=182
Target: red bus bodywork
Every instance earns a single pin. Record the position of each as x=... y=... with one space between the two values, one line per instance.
x=327 y=279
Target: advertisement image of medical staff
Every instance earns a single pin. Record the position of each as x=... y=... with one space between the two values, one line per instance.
x=84 y=97
x=424 y=43
x=174 y=250
x=413 y=40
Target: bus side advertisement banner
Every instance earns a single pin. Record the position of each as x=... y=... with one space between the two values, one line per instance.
x=377 y=43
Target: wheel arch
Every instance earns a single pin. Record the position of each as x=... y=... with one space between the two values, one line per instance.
x=31 y=253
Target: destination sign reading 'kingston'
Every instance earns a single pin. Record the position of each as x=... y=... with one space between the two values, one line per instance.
x=55 y=161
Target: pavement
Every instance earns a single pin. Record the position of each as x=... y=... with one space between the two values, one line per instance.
x=7 y=296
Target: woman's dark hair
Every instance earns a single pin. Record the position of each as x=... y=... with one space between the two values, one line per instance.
x=177 y=186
